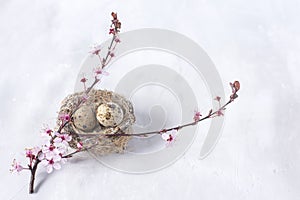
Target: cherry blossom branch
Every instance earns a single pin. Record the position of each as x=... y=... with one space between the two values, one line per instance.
x=52 y=153
x=234 y=86
x=78 y=151
x=104 y=63
x=116 y=26
x=66 y=118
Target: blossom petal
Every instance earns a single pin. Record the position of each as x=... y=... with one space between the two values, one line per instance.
x=41 y=156
x=49 y=169
x=56 y=166
x=63 y=160
x=36 y=150
x=105 y=73
x=79 y=145
x=68 y=138
x=57 y=140
x=165 y=136
x=56 y=158
x=49 y=155
x=44 y=162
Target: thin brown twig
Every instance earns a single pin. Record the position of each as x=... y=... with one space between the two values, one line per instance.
x=78 y=151
x=210 y=115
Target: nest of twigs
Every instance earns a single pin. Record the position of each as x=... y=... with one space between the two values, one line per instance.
x=96 y=118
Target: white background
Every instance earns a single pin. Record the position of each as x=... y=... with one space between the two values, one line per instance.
x=42 y=44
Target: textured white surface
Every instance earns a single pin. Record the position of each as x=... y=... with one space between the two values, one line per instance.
x=258 y=42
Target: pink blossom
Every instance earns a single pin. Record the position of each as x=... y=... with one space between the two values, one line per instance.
x=220 y=113
x=50 y=151
x=169 y=137
x=100 y=71
x=64 y=117
x=52 y=163
x=197 y=116
x=29 y=154
x=79 y=145
x=16 y=166
x=96 y=50
x=112 y=54
x=63 y=138
x=112 y=31
x=217 y=98
x=46 y=139
x=48 y=131
x=41 y=156
x=32 y=152
x=83 y=80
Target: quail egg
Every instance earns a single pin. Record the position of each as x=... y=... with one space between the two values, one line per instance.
x=84 y=118
x=109 y=114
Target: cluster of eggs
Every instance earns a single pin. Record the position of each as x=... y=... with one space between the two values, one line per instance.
x=106 y=114
x=103 y=112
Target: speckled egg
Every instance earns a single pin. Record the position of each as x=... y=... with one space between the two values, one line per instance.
x=84 y=118
x=109 y=114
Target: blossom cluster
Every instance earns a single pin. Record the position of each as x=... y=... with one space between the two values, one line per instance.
x=97 y=49
x=169 y=135
x=51 y=154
